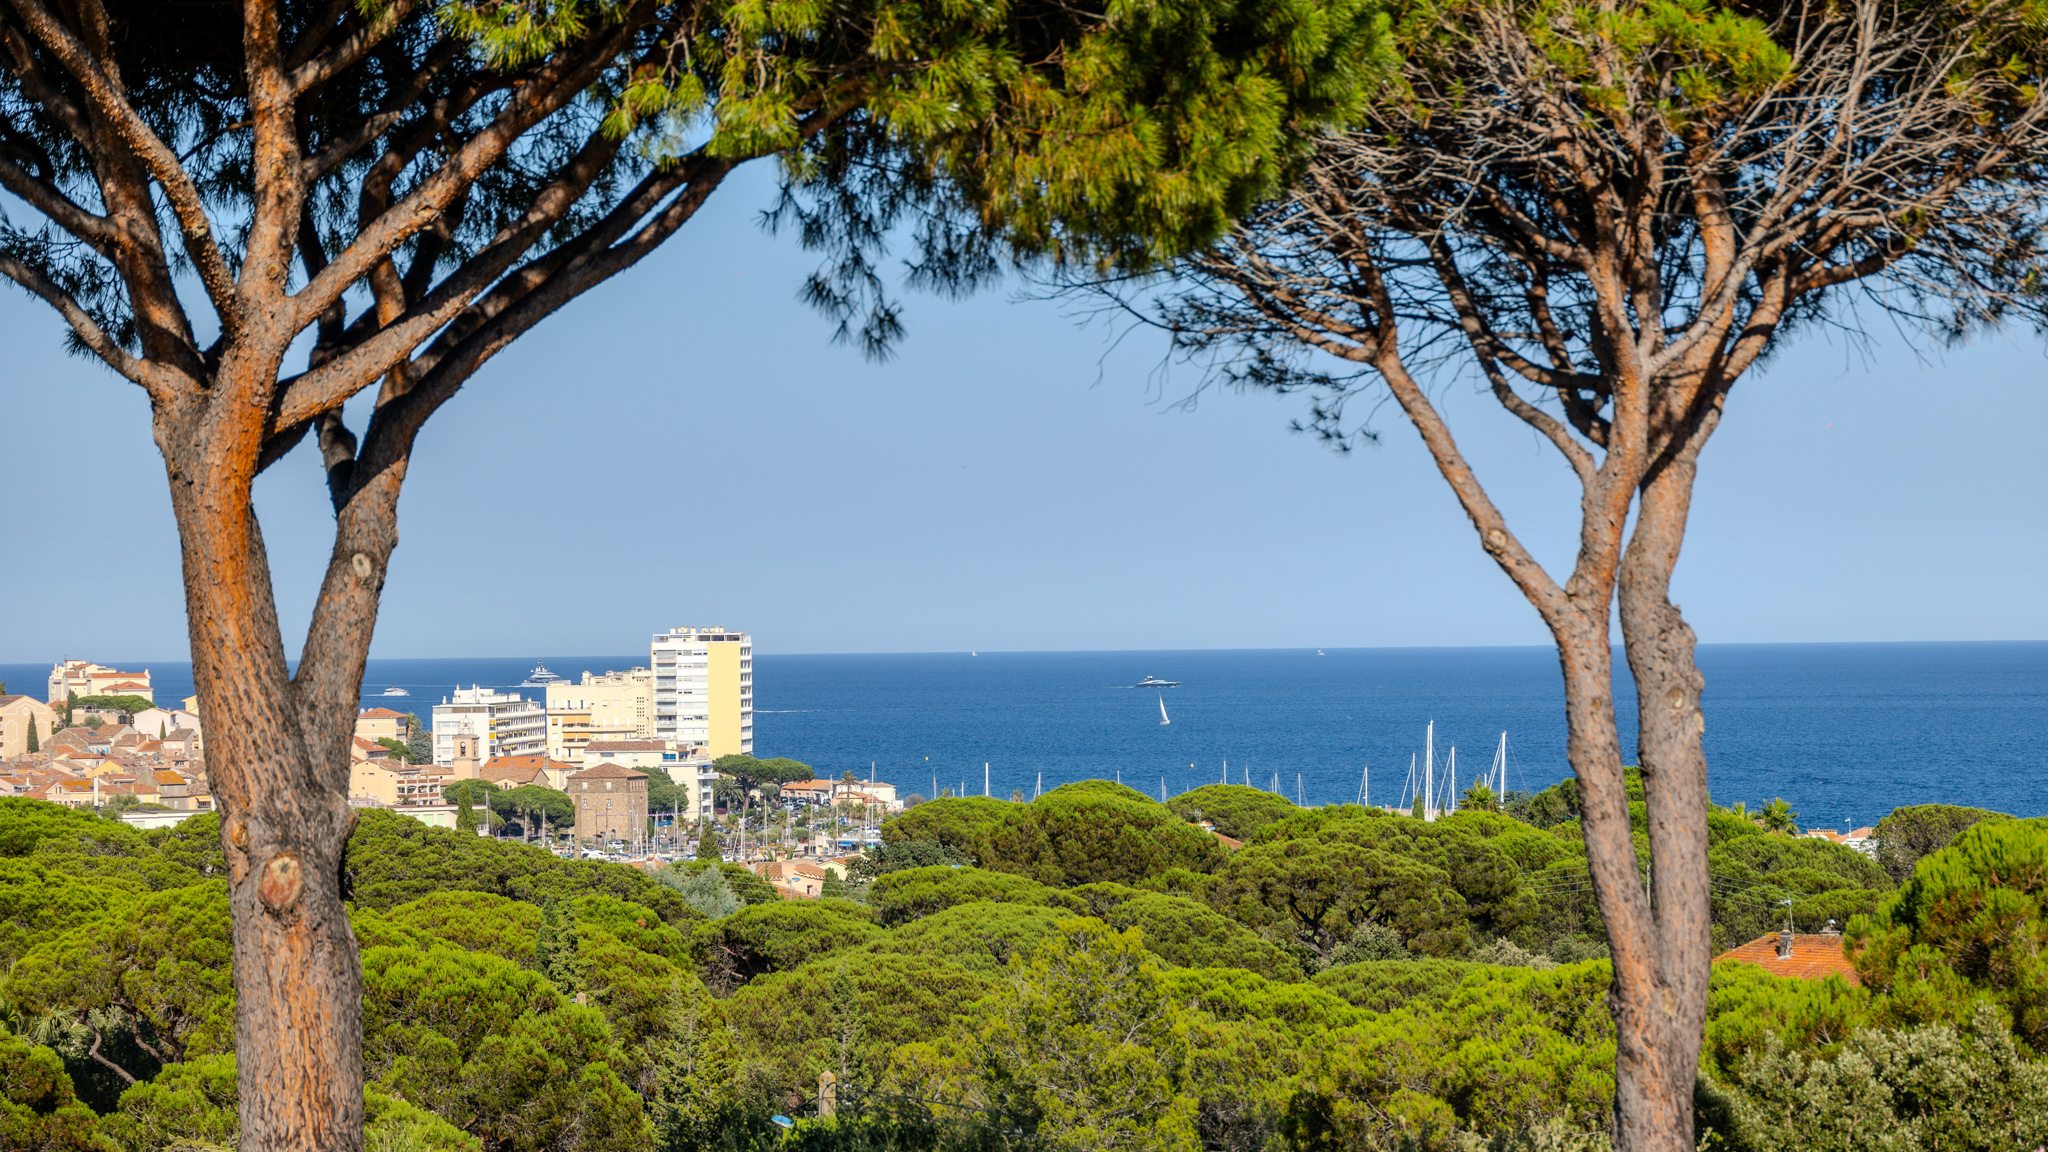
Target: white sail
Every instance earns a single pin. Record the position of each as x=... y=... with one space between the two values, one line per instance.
x=1163 y=718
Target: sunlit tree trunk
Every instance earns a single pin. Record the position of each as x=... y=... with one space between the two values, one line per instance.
x=278 y=767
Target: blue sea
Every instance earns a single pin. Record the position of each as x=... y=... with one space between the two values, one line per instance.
x=1845 y=732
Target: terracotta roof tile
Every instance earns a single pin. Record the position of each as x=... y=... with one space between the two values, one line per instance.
x=1813 y=957
x=379 y=714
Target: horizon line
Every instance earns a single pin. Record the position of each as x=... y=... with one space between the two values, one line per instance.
x=1120 y=651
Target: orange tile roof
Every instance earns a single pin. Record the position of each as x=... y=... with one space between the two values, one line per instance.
x=1813 y=957
x=379 y=714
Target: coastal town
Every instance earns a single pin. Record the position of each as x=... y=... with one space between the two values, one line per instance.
x=648 y=765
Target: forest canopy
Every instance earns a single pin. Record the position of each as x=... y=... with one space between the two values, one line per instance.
x=1349 y=977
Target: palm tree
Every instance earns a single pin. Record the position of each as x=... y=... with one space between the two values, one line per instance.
x=1778 y=816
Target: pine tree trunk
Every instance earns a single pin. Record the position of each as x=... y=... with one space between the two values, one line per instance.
x=277 y=762
x=1660 y=646
x=1653 y=1093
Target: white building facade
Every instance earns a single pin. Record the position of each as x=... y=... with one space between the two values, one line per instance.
x=614 y=706
x=704 y=689
x=504 y=723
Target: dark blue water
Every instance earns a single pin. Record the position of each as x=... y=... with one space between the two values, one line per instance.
x=1845 y=732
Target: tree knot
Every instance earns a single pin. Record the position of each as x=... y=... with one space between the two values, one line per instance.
x=282 y=881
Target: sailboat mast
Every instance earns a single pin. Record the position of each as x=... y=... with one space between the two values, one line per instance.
x=1454 y=777
x=1429 y=772
x=1364 y=777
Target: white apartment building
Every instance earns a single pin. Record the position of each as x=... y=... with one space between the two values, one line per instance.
x=85 y=678
x=614 y=706
x=504 y=723
x=683 y=764
x=704 y=689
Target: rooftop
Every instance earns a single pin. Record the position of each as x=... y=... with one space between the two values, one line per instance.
x=1813 y=957
x=609 y=771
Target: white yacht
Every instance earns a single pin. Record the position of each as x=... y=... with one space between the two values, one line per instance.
x=394 y=692
x=540 y=677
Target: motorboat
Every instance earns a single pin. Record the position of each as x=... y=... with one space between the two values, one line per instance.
x=394 y=692
x=1156 y=682
x=540 y=677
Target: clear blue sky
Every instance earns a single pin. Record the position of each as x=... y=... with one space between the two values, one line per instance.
x=685 y=445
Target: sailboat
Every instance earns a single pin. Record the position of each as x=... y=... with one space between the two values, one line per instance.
x=1163 y=717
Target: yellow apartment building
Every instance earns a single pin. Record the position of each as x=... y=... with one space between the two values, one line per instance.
x=704 y=689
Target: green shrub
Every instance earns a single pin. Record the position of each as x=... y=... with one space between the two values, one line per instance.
x=1967 y=1089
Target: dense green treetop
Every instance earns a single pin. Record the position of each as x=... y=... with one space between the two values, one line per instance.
x=162 y=960
x=128 y=704
x=982 y=936
x=496 y=1050
x=965 y=824
x=1186 y=934
x=776 y=937
x=394 y=859
x=1237 y=810
x=38 y=1109
x=37 y=905
x=1498 y=1054
x=472 y=921
x=1909 y=833
x=903 y=896
x=27 y=823
x=904 y=854
x=1086 y=1038
x=1322 y=891
x=1232 y=993
x=849 y=1012
x=1972 y=920
x=1385 y=985
x=1079 y=834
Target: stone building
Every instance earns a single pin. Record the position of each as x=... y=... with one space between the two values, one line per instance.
x=611 y=804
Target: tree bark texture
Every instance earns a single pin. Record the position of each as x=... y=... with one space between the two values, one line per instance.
x=278 y=766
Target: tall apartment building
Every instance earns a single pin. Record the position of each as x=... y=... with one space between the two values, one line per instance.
x=704 y=689
x=611 y=707
x=505 y=723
